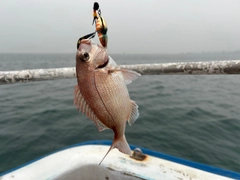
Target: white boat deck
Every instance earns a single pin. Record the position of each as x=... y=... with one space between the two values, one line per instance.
x=81 y=162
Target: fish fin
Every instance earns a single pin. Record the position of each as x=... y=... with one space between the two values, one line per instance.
x=121 y=144
x=101 y=126
x=134 y=114
x=82 y=106
x=129 y=75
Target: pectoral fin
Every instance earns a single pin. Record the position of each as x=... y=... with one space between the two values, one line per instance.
x=134 y=114
x=129 y=75
x=82 y=106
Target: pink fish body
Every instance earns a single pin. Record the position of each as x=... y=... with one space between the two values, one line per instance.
x=101 y=93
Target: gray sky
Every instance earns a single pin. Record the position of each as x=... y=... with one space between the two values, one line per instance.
x=134 y=26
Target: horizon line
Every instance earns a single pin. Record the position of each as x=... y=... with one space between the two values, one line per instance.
x=127 y=53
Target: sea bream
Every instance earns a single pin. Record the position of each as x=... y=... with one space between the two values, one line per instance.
x=101 y=93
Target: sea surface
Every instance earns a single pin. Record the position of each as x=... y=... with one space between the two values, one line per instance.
x=195 y=117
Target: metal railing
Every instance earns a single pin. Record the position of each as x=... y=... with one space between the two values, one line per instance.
x=180 y=68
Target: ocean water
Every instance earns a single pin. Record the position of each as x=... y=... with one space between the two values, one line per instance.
x=195 y=117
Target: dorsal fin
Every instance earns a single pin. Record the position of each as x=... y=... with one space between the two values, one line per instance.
x=134 y=114
x=82 y=106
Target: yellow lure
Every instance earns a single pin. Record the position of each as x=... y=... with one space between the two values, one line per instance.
x=101 y=25
x=101 y=28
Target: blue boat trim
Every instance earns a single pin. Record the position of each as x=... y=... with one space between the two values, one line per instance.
x=203 y=167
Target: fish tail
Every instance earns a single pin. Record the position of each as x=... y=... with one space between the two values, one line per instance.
x=121 y=144
x=106 y=155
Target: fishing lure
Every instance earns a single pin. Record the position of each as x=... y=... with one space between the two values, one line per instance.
x=101 y=25
x=95 y=15
x=88 y=36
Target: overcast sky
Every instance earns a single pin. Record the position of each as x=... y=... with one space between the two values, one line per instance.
x=134 y=26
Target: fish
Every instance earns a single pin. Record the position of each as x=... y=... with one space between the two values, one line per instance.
x=101 y=93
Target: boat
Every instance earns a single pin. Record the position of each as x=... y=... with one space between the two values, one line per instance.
x=81 y=162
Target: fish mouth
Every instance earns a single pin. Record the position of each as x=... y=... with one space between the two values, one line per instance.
x=104 y=64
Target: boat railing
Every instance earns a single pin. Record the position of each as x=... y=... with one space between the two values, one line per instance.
x=179 y=68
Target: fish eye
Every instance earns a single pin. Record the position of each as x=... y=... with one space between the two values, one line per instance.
x=84 y=57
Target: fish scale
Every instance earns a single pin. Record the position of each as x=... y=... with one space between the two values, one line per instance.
x=115 y=95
